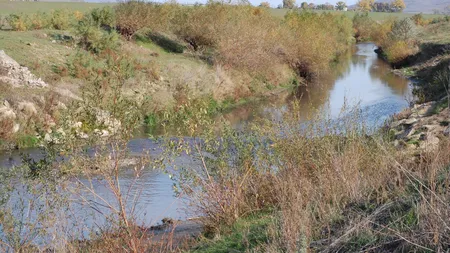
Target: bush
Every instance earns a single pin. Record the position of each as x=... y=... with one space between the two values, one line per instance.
x=420 y=20
x=94 y=31
x=18 y=22
x=397 y=51
x=134 y=15
x=363 y=26
x=95 y=39
x=404 y=29
x=60 y=19
x=39 y=21
x=104 y=17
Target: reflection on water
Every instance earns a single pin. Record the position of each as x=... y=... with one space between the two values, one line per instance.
x=359 y=78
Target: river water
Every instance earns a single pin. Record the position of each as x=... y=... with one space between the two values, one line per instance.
x=359 y=78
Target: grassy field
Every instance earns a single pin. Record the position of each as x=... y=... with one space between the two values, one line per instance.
x=7 y=7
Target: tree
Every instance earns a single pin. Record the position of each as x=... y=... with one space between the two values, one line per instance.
x=366 y=5
x=265 y=5
x=304 y=5
x=311 y=6
x=398 y=5
x=340 y=6
x=289 y=4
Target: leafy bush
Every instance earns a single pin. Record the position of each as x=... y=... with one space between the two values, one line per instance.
x=404 y=29
x=91 y=32
x=420 y=20
x=363 y=26
x=60 y=19
x=104 y=17
x=397 y=51
x=95 y=39
x=133 y=15
x=18 y=22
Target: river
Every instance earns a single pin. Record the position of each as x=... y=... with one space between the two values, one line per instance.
x=359 y=78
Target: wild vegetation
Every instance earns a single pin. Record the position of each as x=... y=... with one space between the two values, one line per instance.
x=326 y=185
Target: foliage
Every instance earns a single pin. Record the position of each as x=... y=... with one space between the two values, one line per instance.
x=420 y=20
x=365 y=5
x=364 y=26
x=397 y=51
x=404 y=29
x=60 y=19
x=341 y=5
x=104 y=17
x=288 y=4
x=133 y=15
x=398 y=5
x=18 y=22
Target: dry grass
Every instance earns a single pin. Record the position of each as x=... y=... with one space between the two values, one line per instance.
x=330 y=191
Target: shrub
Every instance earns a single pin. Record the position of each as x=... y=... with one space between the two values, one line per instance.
x=60 y=19
x=18 y=22
x=94 y=31
x=397 y=51
x=363 y=26
x=134 y=15
x=420 y=20
x=404 y=29
x=104 y=17
x=95 y=39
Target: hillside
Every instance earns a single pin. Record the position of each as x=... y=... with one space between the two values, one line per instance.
x=427 y=6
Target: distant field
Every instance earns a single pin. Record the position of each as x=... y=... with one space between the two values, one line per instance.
x=7 y=7
x=373 y=15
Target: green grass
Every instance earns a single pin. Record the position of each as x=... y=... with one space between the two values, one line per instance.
x=7 y=7
x=245 y=234
x=35 y=50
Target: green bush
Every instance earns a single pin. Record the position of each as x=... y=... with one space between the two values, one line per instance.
x=94 y=33
x=95 y=39
x=60 y=19
x=18 y=22
x=104 y=17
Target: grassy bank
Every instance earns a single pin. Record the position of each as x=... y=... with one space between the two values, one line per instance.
x=170 y=54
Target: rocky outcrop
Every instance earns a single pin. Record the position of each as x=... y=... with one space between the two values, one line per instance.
x=420 y=127
x=13 y=74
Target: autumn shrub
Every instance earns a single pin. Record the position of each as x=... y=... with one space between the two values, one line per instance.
x=39 y=21
x=420 y=20
x=311 y=41
x=363 y=26
x=381 y=31
x=18 y=22
x=397 y=51
x=132 y=16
